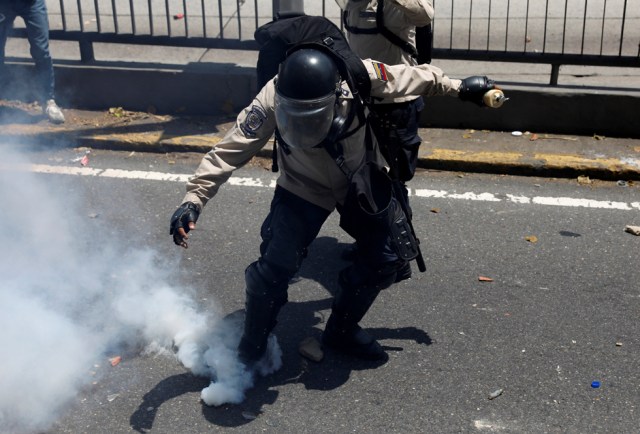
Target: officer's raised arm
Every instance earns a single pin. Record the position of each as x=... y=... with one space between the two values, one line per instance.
x=253 y=128
x=427 y=80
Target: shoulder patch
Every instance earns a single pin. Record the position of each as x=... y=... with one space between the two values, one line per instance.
x=380 y=70
x=254 y=120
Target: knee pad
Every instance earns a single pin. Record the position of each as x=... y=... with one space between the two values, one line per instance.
x=266 y=280
x=376 y=277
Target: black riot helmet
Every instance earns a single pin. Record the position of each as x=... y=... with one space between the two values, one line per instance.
x=307 y=87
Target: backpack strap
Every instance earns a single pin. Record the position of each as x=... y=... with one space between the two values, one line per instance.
x=381 y=29
x=336 y=151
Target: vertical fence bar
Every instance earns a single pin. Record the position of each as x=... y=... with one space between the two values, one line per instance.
x=185 y=18
x=239 y=19
x=584 y=25
x=555 y=73
x=221 y=20
x=98 y=20
x=546 y=22
x=624 y=19
x=526 y=28
x=564 y=24
x=63 y=15
x=470 y=17
x=133 y=17
x=489 y=27
x=86 y=46
x=204 y=19
x=150 y=6
x=506 y=31
x=80 y=15
x=256 y=21
x=168 y=15
x=604 y=14
x=114 y=10
x=451 y=30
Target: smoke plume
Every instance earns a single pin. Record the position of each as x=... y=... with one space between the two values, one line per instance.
x=68 y=299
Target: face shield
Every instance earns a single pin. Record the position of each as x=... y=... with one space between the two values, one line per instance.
x=304 y=123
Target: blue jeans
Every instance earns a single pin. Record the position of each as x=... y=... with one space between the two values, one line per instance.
x=34 y=14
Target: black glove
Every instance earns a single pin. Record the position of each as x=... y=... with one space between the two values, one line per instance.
x=186 y=213
x=473 y=88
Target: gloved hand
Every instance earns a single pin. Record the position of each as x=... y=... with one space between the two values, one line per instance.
x=473 y=88
x=182 y=221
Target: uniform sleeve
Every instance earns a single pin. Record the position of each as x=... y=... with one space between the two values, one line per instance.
x=417 y=12
x=392 y=81
x=253 y=128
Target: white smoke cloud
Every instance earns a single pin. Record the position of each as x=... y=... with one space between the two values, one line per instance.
x=68 y=301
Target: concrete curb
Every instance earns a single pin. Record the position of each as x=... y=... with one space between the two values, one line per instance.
x=623 y=166
x=214 y=89
x=220 y=90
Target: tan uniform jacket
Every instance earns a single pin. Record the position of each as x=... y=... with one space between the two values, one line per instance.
x=309 y=173
x=401 y=17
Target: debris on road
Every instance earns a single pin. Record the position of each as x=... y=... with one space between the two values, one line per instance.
x=249 y=415
x=485 y=279
x=635 y=230
x=584 y=180
x=310 y=348
x=178 y=16
x=115 y=360
x=531 y=238
x=117 y=112
x=495 y=394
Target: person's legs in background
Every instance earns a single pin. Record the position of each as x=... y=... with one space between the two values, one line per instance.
x=37 y=23
x=7 y=17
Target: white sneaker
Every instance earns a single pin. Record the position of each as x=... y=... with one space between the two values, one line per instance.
x=53 y=112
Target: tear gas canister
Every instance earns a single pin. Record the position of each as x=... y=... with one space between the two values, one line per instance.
x=494 y=98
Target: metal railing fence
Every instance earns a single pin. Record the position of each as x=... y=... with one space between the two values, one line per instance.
x=555 y=32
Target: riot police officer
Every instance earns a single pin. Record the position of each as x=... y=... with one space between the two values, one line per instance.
x=306 y=102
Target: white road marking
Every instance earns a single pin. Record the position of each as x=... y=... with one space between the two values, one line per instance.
x=538 y=200
x=257 y=182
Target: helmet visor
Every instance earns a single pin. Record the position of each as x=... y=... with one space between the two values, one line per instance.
x=304 y=123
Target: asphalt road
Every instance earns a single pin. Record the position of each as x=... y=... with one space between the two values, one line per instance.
x=96 y=266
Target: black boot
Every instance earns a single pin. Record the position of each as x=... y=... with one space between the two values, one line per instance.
x=404 y=271
x=342 y=332
x=264 y=299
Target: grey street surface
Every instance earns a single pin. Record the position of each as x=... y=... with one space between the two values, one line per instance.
x=530 y=296
x=559 y=312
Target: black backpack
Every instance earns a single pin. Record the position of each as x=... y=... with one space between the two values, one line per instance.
x=279 y=37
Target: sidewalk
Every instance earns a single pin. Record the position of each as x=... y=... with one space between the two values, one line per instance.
x=499 y=152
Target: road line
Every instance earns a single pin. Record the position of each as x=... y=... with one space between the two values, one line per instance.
x=257 y=182
x=538 y=200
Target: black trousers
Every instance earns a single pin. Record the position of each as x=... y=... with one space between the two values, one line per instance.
x=290 y=227
x=293 y=223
